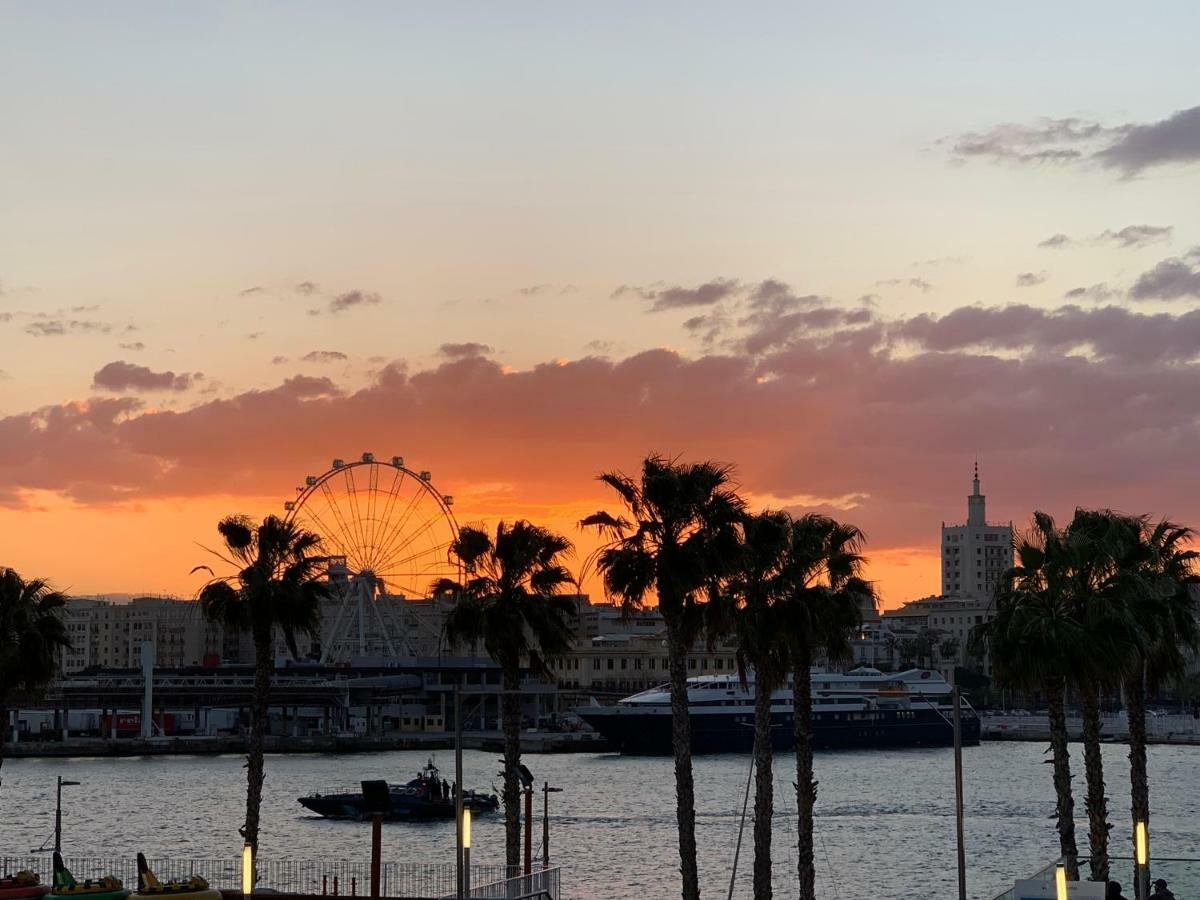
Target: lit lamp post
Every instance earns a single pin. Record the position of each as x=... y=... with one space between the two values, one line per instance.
x=1060 y=883
x=1141 y=850
x=466 y=852
x=247 y=869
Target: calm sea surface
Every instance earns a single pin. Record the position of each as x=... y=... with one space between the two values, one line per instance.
x=885 y=820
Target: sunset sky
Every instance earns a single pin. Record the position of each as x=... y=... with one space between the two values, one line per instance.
x=847 y=249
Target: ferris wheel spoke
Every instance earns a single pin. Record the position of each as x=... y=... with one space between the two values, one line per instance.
x=352 y=490
x=347 y=532
x=372 y=495
x=425 y=526
x=324 y=530
x=379 y=531
x=398 y=530
x=396 y=560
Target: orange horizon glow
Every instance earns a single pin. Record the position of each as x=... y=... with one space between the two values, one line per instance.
x=150 y=548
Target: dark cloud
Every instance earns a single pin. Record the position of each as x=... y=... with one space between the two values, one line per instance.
x=1046 y=141
x=1133 y=236
x=919 y=283
x=1031 y=279
x=306 y=288
x=351 y=299
x=1172 y=279
x=467 y=350
x=1056 y=241
x=257 y=289
x=675 y=297
x=1175 y=139
x=534 y=289
x=597 y=346
x=60 y=327
x=124 y=376
x=278 y=360
x=1097 y=292
x=1130 y=147
x=323 y=356
x=1067 y=402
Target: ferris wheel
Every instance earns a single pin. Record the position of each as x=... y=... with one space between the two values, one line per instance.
x=388 y=534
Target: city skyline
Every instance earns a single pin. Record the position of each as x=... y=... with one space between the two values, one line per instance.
x=846 y=254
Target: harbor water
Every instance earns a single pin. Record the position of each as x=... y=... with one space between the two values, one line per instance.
x=885 y=820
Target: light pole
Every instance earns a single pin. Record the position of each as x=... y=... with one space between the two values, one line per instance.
x=58 y=813
x=466 y=853
x=1141 y=846
x=459 y=812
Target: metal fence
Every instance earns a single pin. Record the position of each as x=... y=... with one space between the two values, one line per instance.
x=326 y=878
x=540 y=885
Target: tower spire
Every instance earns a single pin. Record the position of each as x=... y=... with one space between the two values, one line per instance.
x=975 y=503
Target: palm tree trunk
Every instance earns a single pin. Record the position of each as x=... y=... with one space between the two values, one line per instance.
x=1139 y=781
x=1065 y=811
x=510 y=707
x=263 y=664
x=764 y=797
x=3 y=738
x=1096 y=804
x=681 y=744
x=806 y=785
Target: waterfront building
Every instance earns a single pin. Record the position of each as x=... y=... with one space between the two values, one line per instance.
x=975 y=555
x=623 y=663
x=107 y=633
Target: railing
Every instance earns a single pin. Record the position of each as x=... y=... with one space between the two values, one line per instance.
x=1182 y=875
x=540 y=885
x=324 y=878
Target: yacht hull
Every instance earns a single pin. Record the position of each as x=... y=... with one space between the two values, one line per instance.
x=648 y=731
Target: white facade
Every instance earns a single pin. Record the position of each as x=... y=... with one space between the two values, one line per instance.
x=975 y=555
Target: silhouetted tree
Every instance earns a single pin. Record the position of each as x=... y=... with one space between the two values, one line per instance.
x=822 y=595
x=32 y=635
x=509 y=601
x=679 y=538
x=278 y=583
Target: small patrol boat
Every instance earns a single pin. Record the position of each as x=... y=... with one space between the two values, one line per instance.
x=428 y=797
x=150 y=888
x=67 y=888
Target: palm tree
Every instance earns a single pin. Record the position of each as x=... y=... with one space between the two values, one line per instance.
x=279 y=583
x=1165 y=575
x=1100 y=547
x=31 y=635
x=822 y=597
x=510 y=602
x=1035 y=639
x=679 y=540
x=748 y=598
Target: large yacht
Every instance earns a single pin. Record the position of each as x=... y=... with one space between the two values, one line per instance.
x=863 y=708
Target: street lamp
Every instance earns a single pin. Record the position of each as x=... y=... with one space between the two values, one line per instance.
x=247 y=869
x=1141 y=853
x=1060 y=883
x=466 y=849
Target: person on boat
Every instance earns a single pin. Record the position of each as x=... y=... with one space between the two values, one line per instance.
x=446 y=789
x=1113 y=892
x=1160 y=891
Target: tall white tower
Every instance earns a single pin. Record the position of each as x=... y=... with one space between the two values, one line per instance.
x=975 y=555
